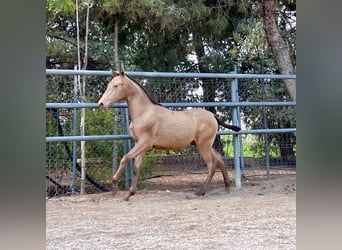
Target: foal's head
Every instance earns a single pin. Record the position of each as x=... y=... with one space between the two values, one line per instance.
x=115 y=91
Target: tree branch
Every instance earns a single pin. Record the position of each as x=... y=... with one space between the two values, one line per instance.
x=65 y=40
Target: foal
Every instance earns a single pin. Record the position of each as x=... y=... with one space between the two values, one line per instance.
x=156 y=127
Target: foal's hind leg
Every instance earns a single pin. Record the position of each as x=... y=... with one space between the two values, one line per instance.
x=222 y=166
x=205 y=151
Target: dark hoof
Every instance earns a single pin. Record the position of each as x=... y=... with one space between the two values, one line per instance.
x=115 y=188
x=128 y=196
x=200 y=193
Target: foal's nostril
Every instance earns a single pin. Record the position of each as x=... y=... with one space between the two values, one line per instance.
x=101 y=104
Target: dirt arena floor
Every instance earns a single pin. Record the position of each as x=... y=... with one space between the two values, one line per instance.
x=167 y=215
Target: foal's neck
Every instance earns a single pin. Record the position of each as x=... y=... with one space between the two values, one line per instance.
x=138 y=102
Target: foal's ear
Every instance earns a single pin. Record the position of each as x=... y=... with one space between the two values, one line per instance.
x=114 y=73
x=121 y=69
x=122 y=72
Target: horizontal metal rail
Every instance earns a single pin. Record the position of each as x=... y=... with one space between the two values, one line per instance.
x=87 y=138
x=122 y=137
x=168 y=74
x=179 y=104
x=258 y=131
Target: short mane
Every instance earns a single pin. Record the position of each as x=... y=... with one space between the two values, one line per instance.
x=145 y=91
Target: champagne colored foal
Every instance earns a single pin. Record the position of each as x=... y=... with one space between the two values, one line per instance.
x=154 y=126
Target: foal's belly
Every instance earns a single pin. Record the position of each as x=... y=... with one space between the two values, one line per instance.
x=173 y=141
x=173 y=146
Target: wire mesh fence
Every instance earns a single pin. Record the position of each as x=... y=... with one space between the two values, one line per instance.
x=275 y=150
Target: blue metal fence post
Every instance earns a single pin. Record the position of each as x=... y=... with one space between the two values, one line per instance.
x=129 y=145
x=234 y=92
x=126 y=144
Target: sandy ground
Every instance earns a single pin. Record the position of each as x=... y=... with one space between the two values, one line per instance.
x=167 y=215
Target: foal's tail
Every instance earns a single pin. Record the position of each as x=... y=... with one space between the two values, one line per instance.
x=232 y=127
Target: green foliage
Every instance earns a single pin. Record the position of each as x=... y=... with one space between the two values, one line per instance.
x=99 y=122
x=67 y=7
x=163 y=28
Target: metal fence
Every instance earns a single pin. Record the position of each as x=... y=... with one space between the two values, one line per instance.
x=256 y=102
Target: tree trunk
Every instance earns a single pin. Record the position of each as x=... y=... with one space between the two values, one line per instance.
x=83 y=99
x=81 y=86
x=115 y=112
x=279 y=47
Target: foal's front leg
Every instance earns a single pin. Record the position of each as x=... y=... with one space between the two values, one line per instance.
x=139 y=149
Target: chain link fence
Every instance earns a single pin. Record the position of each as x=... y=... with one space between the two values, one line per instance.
x=257 y=150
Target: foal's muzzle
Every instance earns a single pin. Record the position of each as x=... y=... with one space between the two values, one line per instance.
x=102 y=106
